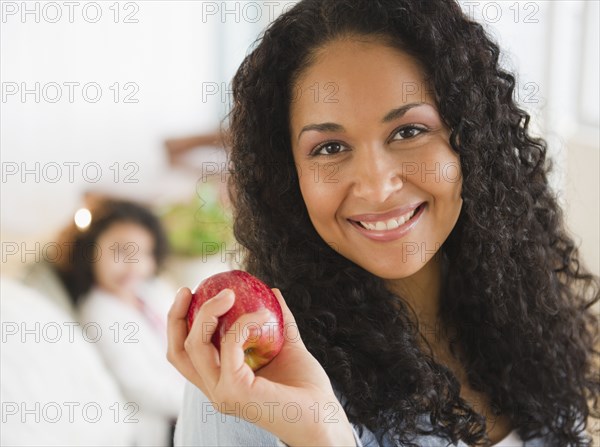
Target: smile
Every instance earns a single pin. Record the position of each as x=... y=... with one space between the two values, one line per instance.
x=390 y=224
x=391 y=227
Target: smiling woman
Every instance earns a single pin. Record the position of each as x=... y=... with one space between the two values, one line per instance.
x=391 y=203
x=407 y=220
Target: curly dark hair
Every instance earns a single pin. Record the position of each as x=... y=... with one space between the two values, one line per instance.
x=75 y=268
x=515 y=288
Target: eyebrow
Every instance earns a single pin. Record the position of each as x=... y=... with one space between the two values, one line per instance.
x=335 y=127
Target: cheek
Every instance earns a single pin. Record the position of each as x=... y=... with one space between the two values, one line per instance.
x=438 y=171
x=451 y=179
x=104 y=271
x=320 y=196
x=148 y=267
x=446 y=191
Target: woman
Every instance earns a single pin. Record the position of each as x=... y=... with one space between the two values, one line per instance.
x=386 y=183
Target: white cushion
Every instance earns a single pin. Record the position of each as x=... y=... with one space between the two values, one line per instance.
x=55 y=388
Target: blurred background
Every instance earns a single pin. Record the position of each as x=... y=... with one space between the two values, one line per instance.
x=124 y=100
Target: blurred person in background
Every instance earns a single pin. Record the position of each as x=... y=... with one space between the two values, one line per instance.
x=110 y=274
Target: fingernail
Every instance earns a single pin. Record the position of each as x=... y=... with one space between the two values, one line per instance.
x=179 y=293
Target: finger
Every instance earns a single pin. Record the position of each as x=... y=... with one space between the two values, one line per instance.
x=288 y=317
x=202 y=353
x=177 y=332
x=290 y=327
x=235 y=371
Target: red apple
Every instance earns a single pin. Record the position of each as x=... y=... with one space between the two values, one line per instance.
x=251 y=295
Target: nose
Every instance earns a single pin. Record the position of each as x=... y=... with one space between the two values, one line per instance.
x=376 y=175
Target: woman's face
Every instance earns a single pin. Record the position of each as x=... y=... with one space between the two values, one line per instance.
x=370 y=148
x=125 y=258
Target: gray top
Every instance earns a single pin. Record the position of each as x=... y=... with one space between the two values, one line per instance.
x=200 y=425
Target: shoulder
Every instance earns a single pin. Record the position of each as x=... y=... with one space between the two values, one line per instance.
x=158 y=293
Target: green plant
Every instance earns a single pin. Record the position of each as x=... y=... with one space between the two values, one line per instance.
x=197 y=227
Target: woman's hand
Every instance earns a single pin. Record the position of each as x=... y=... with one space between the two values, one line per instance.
x=290 y=397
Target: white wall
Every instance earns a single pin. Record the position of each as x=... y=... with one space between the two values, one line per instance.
x=173 y=52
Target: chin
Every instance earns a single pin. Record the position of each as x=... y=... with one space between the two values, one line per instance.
x=399 y=268
x=392 y=274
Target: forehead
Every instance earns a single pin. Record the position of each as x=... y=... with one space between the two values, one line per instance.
x=365 y=77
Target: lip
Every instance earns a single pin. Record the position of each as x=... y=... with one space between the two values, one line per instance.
x=385 y=216
x=396 y=233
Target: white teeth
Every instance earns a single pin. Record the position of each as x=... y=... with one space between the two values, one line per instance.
x=380 y=226
x=390 y=224
x=368 y=226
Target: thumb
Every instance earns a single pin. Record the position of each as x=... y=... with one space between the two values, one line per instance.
x=287 y=313
x=291 y=331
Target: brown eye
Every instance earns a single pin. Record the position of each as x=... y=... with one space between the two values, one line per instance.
x=408 y=132
x=330 y=148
